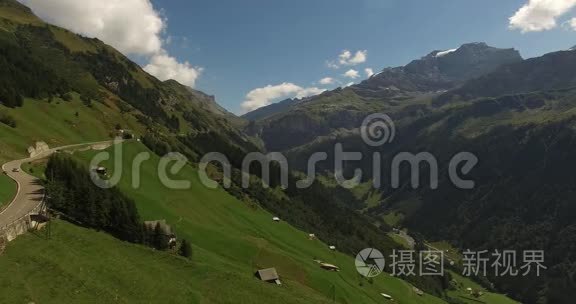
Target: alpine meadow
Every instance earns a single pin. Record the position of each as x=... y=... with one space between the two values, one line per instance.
x=346 y=156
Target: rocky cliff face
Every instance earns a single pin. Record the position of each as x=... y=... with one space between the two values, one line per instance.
x=439 y=70
x=550 y=72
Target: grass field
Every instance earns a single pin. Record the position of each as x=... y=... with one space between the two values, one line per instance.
x=59 y=123
x=77 y=265
x=463 y=295
x=7 y=189
x=35 y=168
x=400 y=240
x=220 y=225
x=230 y=242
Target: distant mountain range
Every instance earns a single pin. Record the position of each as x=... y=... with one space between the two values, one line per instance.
x=517 y=116
x=437 y=71
x=295 y=123
x=271 y=109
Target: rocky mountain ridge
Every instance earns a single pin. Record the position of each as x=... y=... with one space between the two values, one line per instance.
x=438 y=71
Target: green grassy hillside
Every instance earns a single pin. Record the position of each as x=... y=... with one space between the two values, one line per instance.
x=57 y=123
x=44 y=64
x=66 y=269
x=60 y=123
x=241 y=239
x=230 y=242
x=461 y=292
x=7 y=189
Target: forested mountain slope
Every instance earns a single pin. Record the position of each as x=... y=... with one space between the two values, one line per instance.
x=50 y=65
x=517 y=119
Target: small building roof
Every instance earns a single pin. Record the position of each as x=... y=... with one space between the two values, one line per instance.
x=417 y=291
x=39 y=218
x=268 y=275
x=329 y=266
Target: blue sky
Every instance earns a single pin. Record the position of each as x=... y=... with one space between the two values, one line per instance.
x=229 y=48
x=253 y=43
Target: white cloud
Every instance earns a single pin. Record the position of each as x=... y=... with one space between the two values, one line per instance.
x=131 y=26
x=572 y=23
x=327 y=80
x=165 y=67
x=352 y=74
x=261 y=97
x=540 y=15
x=306 y=92
x=349 y=84
x=344 y=57
x=369 y=72
x=332 y=65
x=348 y=58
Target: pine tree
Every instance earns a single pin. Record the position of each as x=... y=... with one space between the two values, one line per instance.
x=71 y=191
x=160 y=242
x=185 y=249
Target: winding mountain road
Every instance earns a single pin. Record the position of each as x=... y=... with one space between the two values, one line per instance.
x=30 y=191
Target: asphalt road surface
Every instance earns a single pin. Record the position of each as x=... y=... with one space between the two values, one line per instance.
x=30 y=191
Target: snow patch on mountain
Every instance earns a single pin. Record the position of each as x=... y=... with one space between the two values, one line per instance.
x=444 y=53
